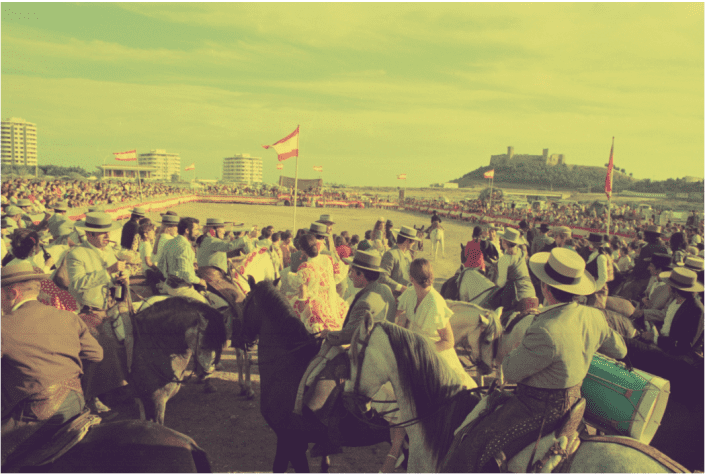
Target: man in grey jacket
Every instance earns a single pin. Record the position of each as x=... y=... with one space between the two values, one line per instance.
x=396 y=261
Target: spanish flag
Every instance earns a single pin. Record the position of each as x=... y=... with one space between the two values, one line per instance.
x=489 y=174
x=287 y=146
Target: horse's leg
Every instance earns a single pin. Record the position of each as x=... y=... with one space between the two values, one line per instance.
x=443 y=245
x=325 y=463
x=299 y=461
x=249 y=393
x=161 y=409
x=281 y=457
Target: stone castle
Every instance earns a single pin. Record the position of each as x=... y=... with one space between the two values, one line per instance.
x=510 y=158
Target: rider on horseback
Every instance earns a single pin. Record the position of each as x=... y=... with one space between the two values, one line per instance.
x=549 y=365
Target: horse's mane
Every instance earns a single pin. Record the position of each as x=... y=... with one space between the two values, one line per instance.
x=431 y=384
x=272 y=302
x=176 y=314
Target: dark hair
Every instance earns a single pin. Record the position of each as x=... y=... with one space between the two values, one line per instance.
x=145 y=228
x=23 y=242
x=369 y=274
x=308 y=245
x=354 y=239
x=339 y=241
x=144 y=220
x=651 y=237
x=401 y=239
x=678 y=241
x=477 y=231
x=422 y=272
x=560 y=295
x=267 y=232
x=286 y=235
x=276 y=237
x=200 y=239
x=186 y=223
x=634 y=245
x=368 y=234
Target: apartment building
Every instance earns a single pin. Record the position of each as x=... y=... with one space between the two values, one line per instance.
x=19 y=143
x=242 y=169
x=165 y=164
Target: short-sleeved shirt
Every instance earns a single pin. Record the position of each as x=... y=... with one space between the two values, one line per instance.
x=431 y=315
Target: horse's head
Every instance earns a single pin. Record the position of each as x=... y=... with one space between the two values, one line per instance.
x=483 y=341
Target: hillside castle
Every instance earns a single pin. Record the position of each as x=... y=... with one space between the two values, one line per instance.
x=510 y=158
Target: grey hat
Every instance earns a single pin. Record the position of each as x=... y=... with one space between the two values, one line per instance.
x=325 y=219
x=563 y=269
x=12 y=211
x=318 y=228
x=98 y=222
x=215 y=222
x=61 y=206
x=24 y=202
x=512 y=235
x=408 y=232
x=22 y=271
x=139 y=211
x=170 y=220
x=366 y=261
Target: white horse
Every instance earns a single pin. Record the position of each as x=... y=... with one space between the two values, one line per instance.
x=438 y=240
x=382 y=353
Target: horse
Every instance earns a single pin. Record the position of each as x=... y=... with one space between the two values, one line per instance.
x=432 y=405
x=484 y=333
x=120 y=446
x=166 y=334
x=473 y=287
x=259 y=264
x=420 y=234
x=285 y=349
x=438 y=240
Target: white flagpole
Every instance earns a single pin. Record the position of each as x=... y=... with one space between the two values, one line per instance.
x=139 y=180
x=296 y=182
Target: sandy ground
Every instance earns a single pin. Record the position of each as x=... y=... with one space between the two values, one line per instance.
x=230 y=428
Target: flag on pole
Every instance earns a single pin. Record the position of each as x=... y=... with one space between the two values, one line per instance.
x=280 y=166
x=190 y=167
x=489 y=174
x=401 y=176
x=287 y=146
x=608 y=178
x=318 y=168
x=126 y=155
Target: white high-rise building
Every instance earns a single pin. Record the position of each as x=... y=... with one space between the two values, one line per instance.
x=166 y=164
x=242 y=169
x=19 y=143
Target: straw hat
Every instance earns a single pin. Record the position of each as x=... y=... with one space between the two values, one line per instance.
x=325 y=219
x=563 y=269
x=562 y=230
x=24 y=203
x=682 y=279
x=23 y=271
x=215 y=222
x=512 y=235
x=170 y=220
x=318 y=228
x=366 y=261
x=408 y=232
x=61 y=206
x=696 y=264
x=12 y=211
x=98 y=222
x=139 y=211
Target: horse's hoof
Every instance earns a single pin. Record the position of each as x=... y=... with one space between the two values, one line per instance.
x=209 y=387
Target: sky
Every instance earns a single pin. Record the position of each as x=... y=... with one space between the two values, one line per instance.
x=431 y=90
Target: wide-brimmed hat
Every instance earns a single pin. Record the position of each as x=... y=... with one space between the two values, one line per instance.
x=170 y=220
x=659 y=260
x=408 y=233
x=654 y=229
x=512 y=235
x=96 y=208
x=595 y=238
x=61 y=206
x=366 y=260
x=22 y=271
x=97 y=222
x=215 y=222
x=696 y=264
x=318 y=228
x=24 y=202
x=139 y=211
x=544 y=227
x=563 y=269
x=562 y=230
x=325 y=219
x=12 y=210
x=682 y=279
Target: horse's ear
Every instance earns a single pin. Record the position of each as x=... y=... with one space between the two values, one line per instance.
x=276 y=282
x=484 y=320
x=251 y=281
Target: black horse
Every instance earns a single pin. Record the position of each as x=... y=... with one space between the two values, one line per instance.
x=127 y=446
x=167 y=334
x=285 y=349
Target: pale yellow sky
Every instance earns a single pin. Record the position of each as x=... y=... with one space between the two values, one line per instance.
x=427 y=89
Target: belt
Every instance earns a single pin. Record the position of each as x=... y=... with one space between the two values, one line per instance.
x=549 y=394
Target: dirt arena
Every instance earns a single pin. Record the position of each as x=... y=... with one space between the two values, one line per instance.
x=230 y=428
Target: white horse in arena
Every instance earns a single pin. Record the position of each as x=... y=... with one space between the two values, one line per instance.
x=438 y=240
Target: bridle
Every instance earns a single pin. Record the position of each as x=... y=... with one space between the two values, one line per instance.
x=481 y=365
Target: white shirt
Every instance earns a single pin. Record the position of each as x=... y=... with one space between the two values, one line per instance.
x=670 y=314
x=145 y=250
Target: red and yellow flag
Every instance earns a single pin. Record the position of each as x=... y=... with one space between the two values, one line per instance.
x=287 y=146
x=489 y=174
x=608 y=178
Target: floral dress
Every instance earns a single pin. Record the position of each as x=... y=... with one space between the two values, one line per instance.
x=322 y=307
x=432 y=314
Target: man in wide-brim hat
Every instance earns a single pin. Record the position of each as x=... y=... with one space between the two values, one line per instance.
x=513 y=277
x=94 y=271
x=548 y=366
x=397 y=260
x=40 y=375
x=640 y=274
x=214 y=251
x=131 y=227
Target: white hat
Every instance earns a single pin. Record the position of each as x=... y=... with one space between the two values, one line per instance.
x=563 y=269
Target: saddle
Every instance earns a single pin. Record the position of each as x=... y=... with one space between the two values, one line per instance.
x=67 y=436
x=324 y=373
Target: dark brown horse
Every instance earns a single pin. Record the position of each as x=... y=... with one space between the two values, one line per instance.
x=167 y=334
x=126 y=446
x=285 y=349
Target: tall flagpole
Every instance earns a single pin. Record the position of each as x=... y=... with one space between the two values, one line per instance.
x=489 y=208
x=609 y=199
x=296 y=181
x=139 y=180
